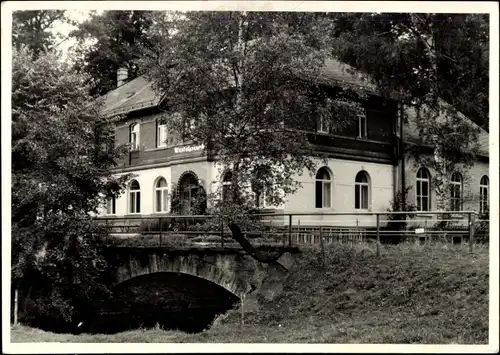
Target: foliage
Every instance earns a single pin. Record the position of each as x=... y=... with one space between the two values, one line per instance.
x=248 y=86
x=109 y=41
x=406 y=296
x=411 y=55
x=57 y=281
x=32 y=29
x=434 y=64
x=197 y=204
x=482 y=230
x=62 y=155
x=400 y=204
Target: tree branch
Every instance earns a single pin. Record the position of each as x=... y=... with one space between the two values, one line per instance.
x=254 y=253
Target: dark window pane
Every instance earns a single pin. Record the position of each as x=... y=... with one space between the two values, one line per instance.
x=132 y=202
x=138 y=209
x=364 y=195
x=357 y=197
x=319 y=194
x=425 y=204
x=158 y=201
x=425 y=188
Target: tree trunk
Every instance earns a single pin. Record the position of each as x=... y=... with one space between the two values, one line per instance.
x=16 y=308
x=434 y=111
x=254 y=253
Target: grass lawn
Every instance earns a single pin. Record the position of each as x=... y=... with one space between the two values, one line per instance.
x=411 y=294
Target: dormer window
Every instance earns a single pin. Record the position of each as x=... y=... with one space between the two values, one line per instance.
x=362 y=127
x=134 y=136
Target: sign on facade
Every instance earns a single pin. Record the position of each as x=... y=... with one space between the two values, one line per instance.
x=189 y=149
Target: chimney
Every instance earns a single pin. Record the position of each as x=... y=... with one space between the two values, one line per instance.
x=121 y=76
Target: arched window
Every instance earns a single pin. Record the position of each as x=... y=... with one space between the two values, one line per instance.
x=227 y=180
x=134 y=197
x=161 y=133
x=188 y=192
x=323 y=188
x=361 y=191
x=483 y=194
x=423 y=190
x=134 y=136
x=456 y=192
x=161 y=195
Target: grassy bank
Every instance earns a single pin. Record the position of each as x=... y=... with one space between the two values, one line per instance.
x=411 y=294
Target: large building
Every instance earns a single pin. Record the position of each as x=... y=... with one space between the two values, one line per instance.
x=364 y=171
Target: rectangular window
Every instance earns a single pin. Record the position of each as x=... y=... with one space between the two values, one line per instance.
x=111 y=205
x=456 y=198
x=327 y=193
x=357 y=197
x=161 y=135
x=483 y=199
x=364 y=197
x=323 y=125
x=361 y=197
x=323 y=194
x=422 y=195
x=362 y=127
x=319 y=194
x=261 y=199
x=133 y=140
x=161 y=200
x=158 y=200
x=134 y=136
x=135 y=202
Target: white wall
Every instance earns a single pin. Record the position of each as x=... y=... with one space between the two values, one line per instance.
x=343 y=193
x=146 y=179
x=303 y=201
x=471 y=184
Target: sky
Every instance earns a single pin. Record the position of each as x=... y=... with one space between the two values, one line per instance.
x=62 y=30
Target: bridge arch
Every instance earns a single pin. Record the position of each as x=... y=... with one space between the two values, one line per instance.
x=218 y=271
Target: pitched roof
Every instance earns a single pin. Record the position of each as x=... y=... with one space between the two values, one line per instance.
x=133 y=95
x=411 y=132
x=337 y=71
x=139 y=94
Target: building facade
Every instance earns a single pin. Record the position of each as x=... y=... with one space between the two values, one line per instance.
x=363 y=173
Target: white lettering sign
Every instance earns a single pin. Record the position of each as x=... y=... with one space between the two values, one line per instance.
x=419 y=231
x=188 y=149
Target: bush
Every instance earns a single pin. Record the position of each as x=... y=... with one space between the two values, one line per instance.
x=482 y=231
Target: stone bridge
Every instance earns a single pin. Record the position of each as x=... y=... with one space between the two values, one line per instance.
x=228 y=267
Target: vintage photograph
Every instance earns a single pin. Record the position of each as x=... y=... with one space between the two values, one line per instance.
x=243 y=175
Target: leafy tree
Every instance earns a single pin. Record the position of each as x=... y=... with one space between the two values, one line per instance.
x=117 y=39
x=62 y=153
x=32 y=28
x=400 y=204
x=434 y=64
x=249 y=87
